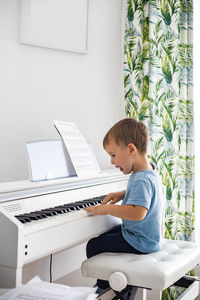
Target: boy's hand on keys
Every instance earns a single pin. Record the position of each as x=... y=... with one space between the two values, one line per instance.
x=113 y=198
x=97 y=210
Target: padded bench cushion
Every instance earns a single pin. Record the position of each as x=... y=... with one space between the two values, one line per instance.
x=156 y=270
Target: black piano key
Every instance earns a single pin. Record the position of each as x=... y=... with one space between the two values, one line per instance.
x=90 y=202
x=43 y=214
x=72 y=206
x=98 y=198
x=23 y=219
x=101 y=197
x=32 y=216
x=80 y=204
x=49 y=212
x=64 y=208
x=58 y=210
x=39 y=213
x=97 y=201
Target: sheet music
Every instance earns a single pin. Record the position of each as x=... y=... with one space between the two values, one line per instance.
x=78 y=149
x=41 y=290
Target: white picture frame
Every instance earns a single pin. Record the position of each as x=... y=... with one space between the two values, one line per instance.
x=55 y=24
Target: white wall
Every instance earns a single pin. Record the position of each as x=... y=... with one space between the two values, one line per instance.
x=39 y=85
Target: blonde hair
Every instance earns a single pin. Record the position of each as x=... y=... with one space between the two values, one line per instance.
x=128 y=131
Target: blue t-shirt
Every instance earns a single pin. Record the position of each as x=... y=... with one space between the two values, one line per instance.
x=144 y=189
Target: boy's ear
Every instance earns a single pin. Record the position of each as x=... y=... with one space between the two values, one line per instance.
x=132 y=149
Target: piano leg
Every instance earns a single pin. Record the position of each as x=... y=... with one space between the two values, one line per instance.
x=10 y=277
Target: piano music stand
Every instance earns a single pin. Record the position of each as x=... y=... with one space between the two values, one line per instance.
x=48 y=159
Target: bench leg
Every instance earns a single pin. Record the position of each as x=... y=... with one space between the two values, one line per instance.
x=141 y=294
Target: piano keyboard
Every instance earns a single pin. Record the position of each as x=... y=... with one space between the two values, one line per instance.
x=50 y=217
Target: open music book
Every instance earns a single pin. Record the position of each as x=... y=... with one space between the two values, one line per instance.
x=79 y=150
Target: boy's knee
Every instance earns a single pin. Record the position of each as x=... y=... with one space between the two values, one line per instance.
x=91 y=248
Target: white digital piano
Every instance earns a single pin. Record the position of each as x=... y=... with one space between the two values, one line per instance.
x=41 y=218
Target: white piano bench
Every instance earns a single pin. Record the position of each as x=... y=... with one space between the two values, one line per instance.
x=155 y=271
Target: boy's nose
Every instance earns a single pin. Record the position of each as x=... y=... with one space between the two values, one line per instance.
x=112 y=161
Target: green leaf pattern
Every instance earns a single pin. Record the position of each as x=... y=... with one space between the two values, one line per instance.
x=158 y=62
x=158 y=66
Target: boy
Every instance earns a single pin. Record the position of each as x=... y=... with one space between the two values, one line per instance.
x=141 y=208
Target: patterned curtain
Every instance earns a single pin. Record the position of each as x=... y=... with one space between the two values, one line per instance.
x=158 y=90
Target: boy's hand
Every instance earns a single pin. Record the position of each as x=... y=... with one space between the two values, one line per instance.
x=102 y=209
x=113 y=198
x=97 y=210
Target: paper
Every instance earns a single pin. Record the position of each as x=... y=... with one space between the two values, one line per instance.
x=79 y=151
x=48 y=159
x=41 y=290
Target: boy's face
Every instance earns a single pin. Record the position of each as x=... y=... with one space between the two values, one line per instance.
x=121 y=156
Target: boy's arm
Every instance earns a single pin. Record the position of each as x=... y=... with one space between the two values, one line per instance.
x=126 y=212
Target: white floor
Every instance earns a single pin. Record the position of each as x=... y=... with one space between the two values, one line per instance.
x=75 y=279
